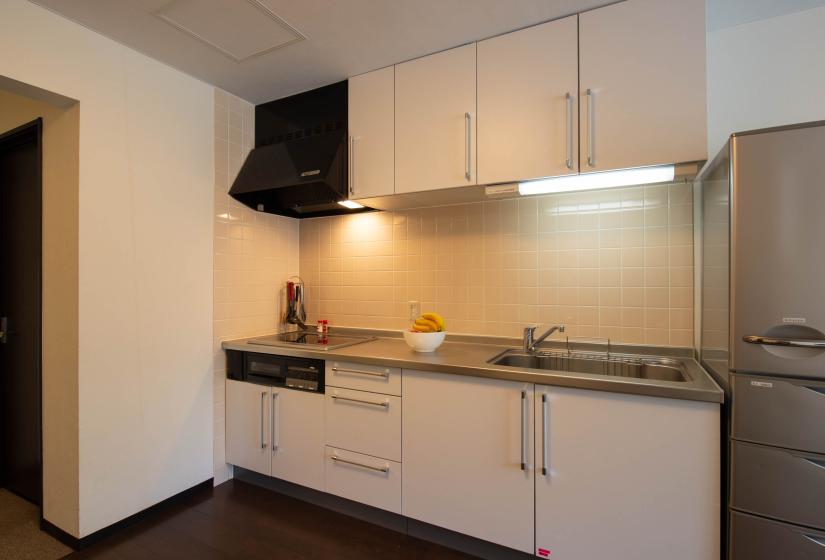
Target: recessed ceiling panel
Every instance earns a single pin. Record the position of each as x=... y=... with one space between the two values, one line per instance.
x=240 y=29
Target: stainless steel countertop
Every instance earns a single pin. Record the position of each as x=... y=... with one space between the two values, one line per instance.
x=465 y=355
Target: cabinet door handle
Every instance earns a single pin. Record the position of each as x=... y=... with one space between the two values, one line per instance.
x=569 y=114
x=383 y=374
x=263 y=406
x=544 y=435
x=814 y=539
x=385 y=404
x=384 y=469
x=523 y=430
x=274 y=425
x=468 y=146
x=591 y=127
x=353 y=141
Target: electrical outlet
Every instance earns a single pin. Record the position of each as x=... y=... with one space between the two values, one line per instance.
x=414 y=309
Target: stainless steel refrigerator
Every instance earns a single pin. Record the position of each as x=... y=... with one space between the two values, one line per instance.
x=763 y=334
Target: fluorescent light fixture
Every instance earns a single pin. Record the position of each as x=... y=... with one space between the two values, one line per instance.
x=352 y=205
x=600 y=180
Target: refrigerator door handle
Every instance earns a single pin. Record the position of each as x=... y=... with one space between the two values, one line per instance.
x=790 y=342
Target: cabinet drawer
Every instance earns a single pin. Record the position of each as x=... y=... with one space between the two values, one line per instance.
x=783 y=412
x=779 y=483
x=364 y=422
x=362 y=478
x=755 y=538
x=363 y=377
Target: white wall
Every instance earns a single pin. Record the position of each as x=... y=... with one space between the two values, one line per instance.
x=145 y=266
x=764 y=65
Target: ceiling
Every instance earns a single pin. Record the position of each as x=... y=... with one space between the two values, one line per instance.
x=291 y=46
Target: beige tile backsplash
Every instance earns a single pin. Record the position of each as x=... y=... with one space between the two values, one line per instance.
x=615 y=264
x=254 y=255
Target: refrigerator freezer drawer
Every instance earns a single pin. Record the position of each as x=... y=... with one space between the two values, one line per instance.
x=755 y=538
x=779 y=411
x=779 y=483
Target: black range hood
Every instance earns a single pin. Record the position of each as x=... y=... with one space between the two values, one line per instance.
x=298 y=167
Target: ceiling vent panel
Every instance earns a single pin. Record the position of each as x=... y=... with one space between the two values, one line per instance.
x=240 y=29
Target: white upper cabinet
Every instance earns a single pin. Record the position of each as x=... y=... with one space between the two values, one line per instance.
x=643 y=62
x=528 y=104
x=435 y=128
x=372 y=134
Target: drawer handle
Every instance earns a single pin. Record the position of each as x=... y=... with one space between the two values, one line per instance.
x=816 y=540
x=383 y=374
x=814 y=462
x=385 y=404
x=793 y=343
x=384 y=469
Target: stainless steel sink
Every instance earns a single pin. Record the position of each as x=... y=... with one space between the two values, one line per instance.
x=639 y=367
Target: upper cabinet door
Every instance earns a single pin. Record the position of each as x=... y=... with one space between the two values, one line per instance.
x=435 y=128
x=528 y=104
x=372 y=133
x=643 y=64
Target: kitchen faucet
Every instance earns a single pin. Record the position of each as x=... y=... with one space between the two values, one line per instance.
x=530 y=342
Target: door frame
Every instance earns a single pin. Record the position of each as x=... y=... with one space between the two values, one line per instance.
x=27 y=132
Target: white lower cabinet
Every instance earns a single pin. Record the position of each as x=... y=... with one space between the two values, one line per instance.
x=247 y=426
x=467 y=456
x=626 y=477
x=364 y=422
x=298 y=437
x=277 y=432
x=364 y=478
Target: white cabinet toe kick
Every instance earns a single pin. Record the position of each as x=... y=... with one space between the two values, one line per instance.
x=556 y=472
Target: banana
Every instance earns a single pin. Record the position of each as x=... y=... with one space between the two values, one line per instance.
x=438 y=319
x=424 y=322
x=421 y=328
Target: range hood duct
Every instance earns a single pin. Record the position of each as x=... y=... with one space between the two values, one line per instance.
x=298 y=167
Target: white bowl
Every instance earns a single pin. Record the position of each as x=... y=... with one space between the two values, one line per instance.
x=424 y=341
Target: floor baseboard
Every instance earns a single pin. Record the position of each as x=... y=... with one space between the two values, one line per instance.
x=83 y=542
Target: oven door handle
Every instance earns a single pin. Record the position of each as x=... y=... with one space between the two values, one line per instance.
x=788 y=342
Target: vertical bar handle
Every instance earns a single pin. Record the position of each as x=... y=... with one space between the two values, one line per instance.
x=591 y=127
x=523 y=430
x=4 y=330
x=352 y=165
x=273 y=424
x=569 y=114
x=544 y=435
x=263 y=406
x=468 y=146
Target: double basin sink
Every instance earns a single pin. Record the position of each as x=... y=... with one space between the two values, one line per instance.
x=619 y=365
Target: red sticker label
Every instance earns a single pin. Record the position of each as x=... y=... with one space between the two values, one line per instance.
x=543 y=552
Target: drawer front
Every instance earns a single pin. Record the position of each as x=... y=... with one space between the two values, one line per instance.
x=364 y=422
x=362 y=478
x=376 y=379
x=783 y=412
x=788 y=485
x=755 y=538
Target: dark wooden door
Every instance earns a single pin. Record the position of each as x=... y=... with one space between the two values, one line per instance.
x=20 y=302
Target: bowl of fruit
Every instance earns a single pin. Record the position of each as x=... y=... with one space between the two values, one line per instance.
x=426 y=333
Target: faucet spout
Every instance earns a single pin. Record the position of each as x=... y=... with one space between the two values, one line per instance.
x=530 y=341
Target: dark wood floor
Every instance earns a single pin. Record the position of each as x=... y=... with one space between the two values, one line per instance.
x=238 y=520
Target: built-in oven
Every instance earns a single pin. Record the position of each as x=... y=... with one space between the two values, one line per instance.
x=304 y=374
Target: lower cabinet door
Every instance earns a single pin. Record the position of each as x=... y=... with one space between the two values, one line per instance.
x=626 y=477
x=757 y=538
x=247 y=426
x=364 y=478
x=297 y=447
x=468 y=464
